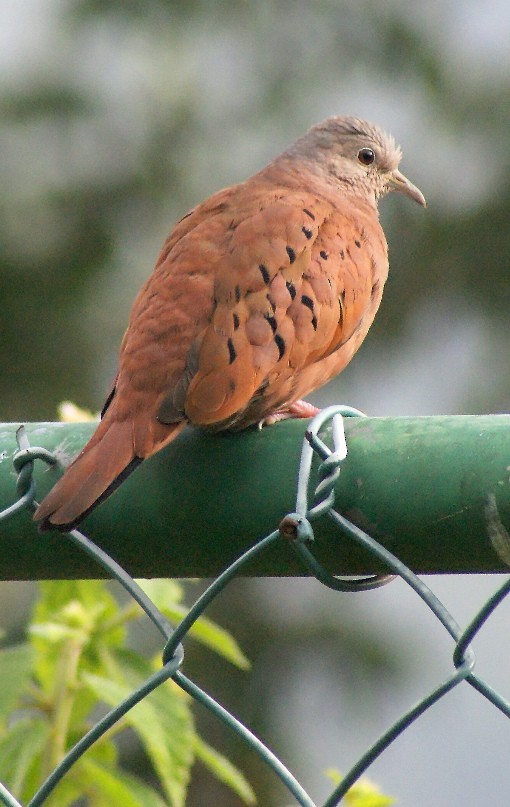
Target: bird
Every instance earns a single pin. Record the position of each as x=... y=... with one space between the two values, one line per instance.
x=261 y=294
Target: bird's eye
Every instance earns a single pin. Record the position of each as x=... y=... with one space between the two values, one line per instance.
x=366 y=156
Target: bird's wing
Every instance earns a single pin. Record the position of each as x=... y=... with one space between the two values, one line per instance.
x=298 y=280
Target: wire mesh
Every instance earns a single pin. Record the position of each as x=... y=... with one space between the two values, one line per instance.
x=295 y=530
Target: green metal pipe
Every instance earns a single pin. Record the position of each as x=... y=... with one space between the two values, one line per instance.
x=434 y=490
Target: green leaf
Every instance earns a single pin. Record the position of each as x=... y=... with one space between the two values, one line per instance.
x=146 y=795
x=104 y=752
x=81 y=604
x=19 y=748
x=363 y=793
x=162 y=721
x=52 y=632
x=78 y=611
x=210 y=634
x=167 y=595
x=162 y=591
x=56 y=594
x=77 y=782
x=225 y=771
x=15 y=669
x=361 y=799
x=105 y=787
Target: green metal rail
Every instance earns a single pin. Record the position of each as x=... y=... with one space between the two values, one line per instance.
x=435 y=491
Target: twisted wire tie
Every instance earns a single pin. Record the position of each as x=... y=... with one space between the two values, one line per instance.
x=296 y=528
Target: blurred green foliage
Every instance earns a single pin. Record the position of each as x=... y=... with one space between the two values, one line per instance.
x=77 y=658
x=116 y=117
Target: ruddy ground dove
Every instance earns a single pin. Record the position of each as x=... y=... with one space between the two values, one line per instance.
x=260 y=295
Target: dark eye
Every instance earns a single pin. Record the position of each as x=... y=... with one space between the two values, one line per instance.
x=366 y=156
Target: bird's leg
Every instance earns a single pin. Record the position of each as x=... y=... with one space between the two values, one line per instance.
x=298 y=409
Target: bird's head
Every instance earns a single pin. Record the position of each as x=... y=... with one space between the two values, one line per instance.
x=357 y=154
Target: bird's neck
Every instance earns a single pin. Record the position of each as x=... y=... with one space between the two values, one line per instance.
x=310 y=175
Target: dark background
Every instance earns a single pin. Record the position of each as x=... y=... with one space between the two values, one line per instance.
x=115 y=118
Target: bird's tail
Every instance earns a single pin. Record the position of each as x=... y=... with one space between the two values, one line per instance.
x=102 y=465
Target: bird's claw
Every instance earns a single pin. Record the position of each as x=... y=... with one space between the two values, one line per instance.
x=298 y=409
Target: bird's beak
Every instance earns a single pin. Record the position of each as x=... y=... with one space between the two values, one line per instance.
x=398 y=182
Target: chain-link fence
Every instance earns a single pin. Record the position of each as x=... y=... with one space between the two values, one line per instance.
x=313 y=501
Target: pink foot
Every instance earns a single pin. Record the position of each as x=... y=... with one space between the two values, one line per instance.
x=298 y=409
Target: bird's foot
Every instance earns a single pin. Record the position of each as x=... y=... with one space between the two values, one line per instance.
x=298 y=409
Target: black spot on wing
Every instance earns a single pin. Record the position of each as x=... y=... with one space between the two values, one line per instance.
x=280 y=344
x=272 y=322
x=265 y=273
x=341 y=308
x=231 y=351
x=306 y=300
x=291 y=254
x=291 y=288
x=271 y=303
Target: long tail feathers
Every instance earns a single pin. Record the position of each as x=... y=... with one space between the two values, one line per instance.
x=95 y=474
